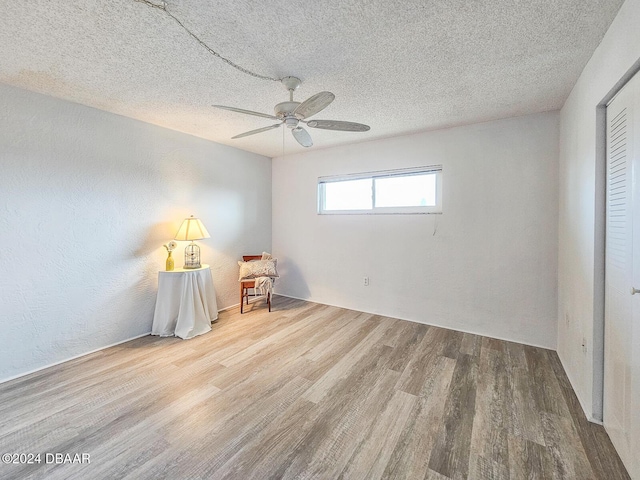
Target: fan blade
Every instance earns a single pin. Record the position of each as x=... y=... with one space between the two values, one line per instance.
x=313 y=105
x=259 y=130
x=247 y=112
x=302 y=136
x=338 y=125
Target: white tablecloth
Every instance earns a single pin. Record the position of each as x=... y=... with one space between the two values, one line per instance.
x=186 y=303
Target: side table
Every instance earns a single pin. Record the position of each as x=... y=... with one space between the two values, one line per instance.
x=185 y=304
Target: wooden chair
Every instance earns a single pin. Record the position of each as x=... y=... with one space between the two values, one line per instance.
x=245 y=285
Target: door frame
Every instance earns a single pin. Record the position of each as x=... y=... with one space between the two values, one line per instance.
x=600 y=227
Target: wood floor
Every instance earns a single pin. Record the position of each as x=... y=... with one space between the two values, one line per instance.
x=307 y=391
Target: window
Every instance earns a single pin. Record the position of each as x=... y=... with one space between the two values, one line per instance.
x=415 y=190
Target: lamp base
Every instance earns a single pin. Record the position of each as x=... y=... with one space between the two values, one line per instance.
x=192 y=256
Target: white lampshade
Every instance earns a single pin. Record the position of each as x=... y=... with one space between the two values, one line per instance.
x=192 y=229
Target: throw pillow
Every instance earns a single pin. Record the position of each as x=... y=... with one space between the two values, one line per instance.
x=258 y=268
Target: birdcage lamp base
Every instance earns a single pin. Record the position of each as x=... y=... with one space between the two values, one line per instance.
x=192 y=256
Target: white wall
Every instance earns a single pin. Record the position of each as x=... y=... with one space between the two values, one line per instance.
x=489 y=268
x=87 y=199
x=581 y=192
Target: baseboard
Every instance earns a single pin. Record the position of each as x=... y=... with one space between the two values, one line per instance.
x=24 y=374
x=587 y=412
x=252 y=300
x=422 y=323
x=228 y=308
x=8 y=379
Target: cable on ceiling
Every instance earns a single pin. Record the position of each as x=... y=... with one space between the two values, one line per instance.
x=164 y=8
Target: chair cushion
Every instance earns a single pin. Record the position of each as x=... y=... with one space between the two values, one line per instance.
x=258 y=268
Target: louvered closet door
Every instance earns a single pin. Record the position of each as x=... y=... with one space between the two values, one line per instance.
x=622 y=307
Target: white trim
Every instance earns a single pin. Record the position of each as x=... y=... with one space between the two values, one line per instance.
x=378 y=211
x=237 y=305
x=229 y=307
x=599 y=257
x=381 y=173
x=424 y=323
x=29 y=372
x=401 y=172
x=587 y=412
x=24 y=374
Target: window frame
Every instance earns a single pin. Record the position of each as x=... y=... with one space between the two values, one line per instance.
x=401 y=172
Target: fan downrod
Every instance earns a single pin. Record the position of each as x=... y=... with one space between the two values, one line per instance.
x=284 y=110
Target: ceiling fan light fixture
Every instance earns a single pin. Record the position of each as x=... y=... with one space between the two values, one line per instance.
x=291 y=122
x=302 y=137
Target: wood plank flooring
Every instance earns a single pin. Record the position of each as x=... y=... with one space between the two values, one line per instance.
x=307 y=391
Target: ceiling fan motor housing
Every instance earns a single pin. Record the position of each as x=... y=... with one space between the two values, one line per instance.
x=284 y=111
x=285 y=108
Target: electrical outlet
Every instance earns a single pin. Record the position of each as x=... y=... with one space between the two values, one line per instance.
x=584 y=344
x=366 y=281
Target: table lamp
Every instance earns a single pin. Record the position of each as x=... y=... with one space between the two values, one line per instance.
x=192 y=229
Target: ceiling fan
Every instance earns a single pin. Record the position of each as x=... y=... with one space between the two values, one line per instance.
x=293 y=113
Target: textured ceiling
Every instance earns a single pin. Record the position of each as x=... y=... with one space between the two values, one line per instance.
x=399 y=66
